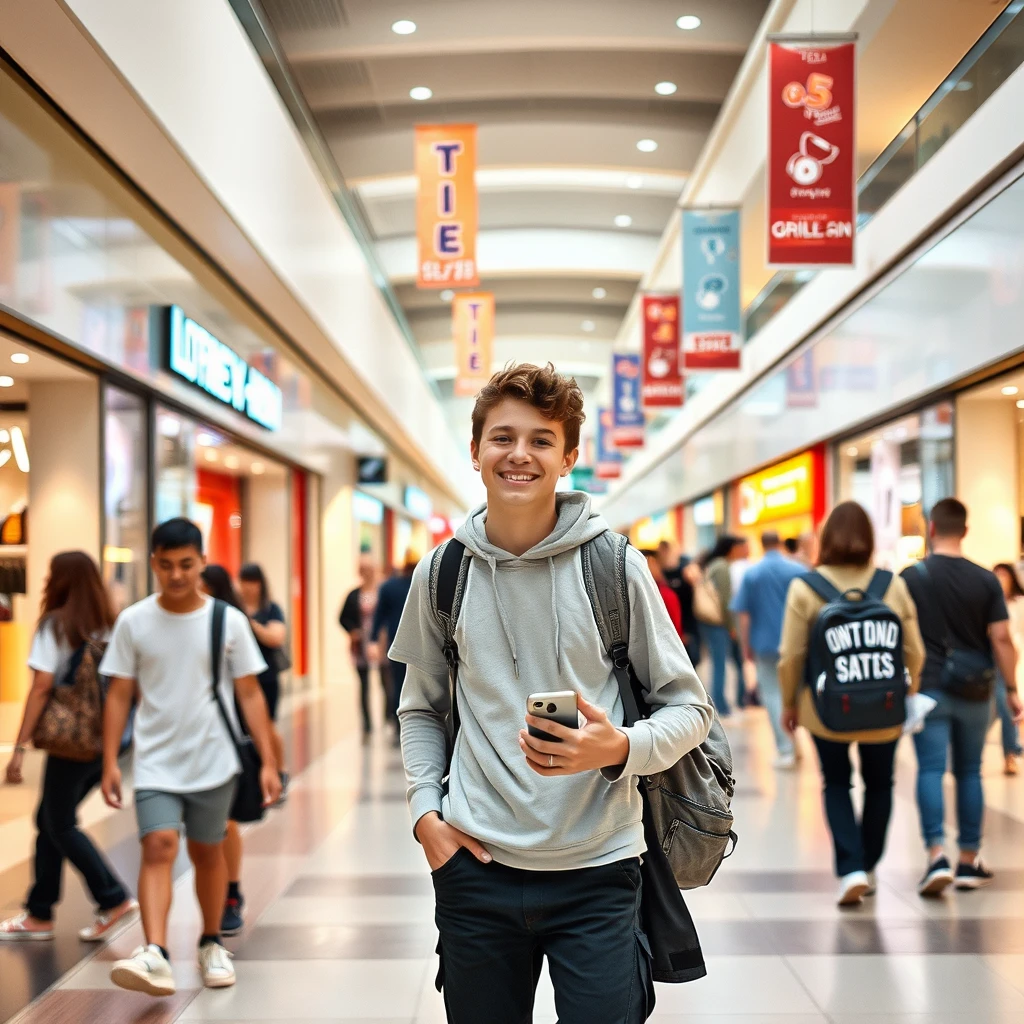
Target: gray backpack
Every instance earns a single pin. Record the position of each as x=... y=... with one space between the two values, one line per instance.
x=688 y=805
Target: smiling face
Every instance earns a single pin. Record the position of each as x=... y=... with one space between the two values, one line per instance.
x=521 y=454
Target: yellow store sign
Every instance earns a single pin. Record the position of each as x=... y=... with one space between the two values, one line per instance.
x=784 y=490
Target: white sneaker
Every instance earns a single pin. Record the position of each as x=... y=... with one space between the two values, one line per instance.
x=785 y=762
x=106 y=920
x=215 y=966
x=146 y=970
x=852 y=888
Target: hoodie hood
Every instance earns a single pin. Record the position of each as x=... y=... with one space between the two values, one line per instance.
x=577 y=523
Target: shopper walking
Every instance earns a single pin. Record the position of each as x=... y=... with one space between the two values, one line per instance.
x=535 y=846
x=391 y=601
x=268 y=624
x=185 y=761
x=667 y=593
x=76 y=611
x=967 y=636
x=847 y=549
x=356 y=619
x=759 y=607
x=718 y=640
x=1014 y=594
x=678 y=571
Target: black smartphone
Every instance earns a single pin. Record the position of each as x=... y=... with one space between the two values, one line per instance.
x=558 y=706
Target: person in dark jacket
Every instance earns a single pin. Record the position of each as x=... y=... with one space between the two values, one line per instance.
x=390 y=605
x=357 y=620
x=673 y=568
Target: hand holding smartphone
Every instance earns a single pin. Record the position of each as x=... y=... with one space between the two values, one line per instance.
x=557 y=706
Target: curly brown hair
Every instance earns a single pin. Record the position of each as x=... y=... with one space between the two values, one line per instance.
x=555 y=396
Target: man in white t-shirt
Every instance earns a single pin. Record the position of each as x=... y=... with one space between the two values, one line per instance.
x=185 y=762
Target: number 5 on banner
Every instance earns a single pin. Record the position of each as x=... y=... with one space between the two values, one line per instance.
x=816 y=96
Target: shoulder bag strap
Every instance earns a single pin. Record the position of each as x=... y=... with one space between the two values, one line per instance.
x=604 y=575
x=821 y=586
x=448 y=581
x=216 y=653
x=879 y=584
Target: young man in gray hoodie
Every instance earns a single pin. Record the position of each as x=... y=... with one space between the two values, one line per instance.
x=535 y=846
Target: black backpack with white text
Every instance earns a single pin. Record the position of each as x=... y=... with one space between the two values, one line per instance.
x=855 y=657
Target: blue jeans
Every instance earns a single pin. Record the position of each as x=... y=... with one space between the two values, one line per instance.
x=962 y=724
x=719 y=645
x=1011 y=737
x=771 y=696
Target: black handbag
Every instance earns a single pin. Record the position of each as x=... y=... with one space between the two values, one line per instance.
x=247 y=804
x=969 y=675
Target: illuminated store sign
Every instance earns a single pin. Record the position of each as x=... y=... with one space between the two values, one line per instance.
x=418 y=503
x=205 y=361
x=777 y=493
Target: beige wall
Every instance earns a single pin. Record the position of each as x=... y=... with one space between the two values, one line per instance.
x=987 y=471
x=338 y=555
x=268 y=532
x=64 y=482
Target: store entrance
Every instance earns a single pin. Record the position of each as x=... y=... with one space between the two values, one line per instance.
x=49 y=495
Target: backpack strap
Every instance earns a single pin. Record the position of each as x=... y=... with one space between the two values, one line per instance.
x=448 y=571
x=821 y=586
x=604 y=575
x=216 y=655
x=879 y=584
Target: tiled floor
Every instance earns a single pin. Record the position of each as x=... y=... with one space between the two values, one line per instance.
x=340 y=913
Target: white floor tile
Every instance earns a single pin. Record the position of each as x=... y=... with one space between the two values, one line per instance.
x=345 y=910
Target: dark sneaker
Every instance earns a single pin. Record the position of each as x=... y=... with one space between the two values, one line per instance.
x=937 y=879
x=232 y=921
x=973 y=876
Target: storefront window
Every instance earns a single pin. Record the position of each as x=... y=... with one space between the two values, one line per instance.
x=898 y=472
x=126 y=493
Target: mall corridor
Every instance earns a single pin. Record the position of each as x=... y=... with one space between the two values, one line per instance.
x=341 y=912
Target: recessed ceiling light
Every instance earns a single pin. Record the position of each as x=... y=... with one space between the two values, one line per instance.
x=599 y=293
x=5 y=436
x=211 y=454
x=6 y=382
x=623 y=220
x=647 y=145
x=232 y=462
x=1020 y=403
x=257 y=469
x=404 y=27
x=205 y=440
x=421 y=92
x=20 y=358
x=588 y=326
x=1010 y=389
x=688 y=22
x=851 y=451
x=447 y=295
x=665 y=88
x=634 y=181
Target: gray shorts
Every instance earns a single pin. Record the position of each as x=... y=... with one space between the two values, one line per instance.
x=204 y=815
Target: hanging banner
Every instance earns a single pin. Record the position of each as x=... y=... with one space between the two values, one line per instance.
x=446 y=205
x=609 y=458
x=712 y=337
x=812 y=189
x=802 y=382
x=663 y=379
x=473 y=331
x=627 y=411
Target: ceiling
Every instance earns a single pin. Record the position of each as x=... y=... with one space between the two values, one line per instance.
x=561 y=92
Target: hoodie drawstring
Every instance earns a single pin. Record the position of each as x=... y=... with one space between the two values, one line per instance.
x=502 y=614
x=554 y=615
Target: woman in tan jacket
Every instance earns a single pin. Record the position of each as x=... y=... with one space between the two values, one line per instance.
x=847 y=547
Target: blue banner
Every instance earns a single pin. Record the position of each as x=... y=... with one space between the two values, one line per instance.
x=627 y=405
x=712 y=335
x=609 y=459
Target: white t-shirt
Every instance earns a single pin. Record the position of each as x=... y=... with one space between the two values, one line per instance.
x=50 y=653
x=181 y=742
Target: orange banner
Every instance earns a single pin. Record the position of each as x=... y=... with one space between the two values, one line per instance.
x=446 y=205
x=473 y=329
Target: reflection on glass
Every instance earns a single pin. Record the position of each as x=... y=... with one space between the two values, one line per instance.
x=175 y=466
x=125 y=488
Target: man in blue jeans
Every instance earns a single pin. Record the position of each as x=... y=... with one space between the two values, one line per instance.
x=960 y=606
x=759 y=606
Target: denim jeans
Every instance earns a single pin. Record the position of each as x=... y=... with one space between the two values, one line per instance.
x=962 y=725
x=1010 y=733
x=65 y=785
x=497 y=925
x=719 y=646
x=858 y=845
x=771 y=696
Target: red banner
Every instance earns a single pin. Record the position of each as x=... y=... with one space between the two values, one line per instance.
x=812 y=193
x=663 y=377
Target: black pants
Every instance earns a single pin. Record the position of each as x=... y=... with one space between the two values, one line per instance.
x=364 y=693
x=65 y=785
x=859 y=845
x=498 y=923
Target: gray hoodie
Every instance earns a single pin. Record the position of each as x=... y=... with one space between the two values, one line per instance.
x=526 y=625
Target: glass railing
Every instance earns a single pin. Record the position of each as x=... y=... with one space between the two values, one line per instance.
x=990 y=62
